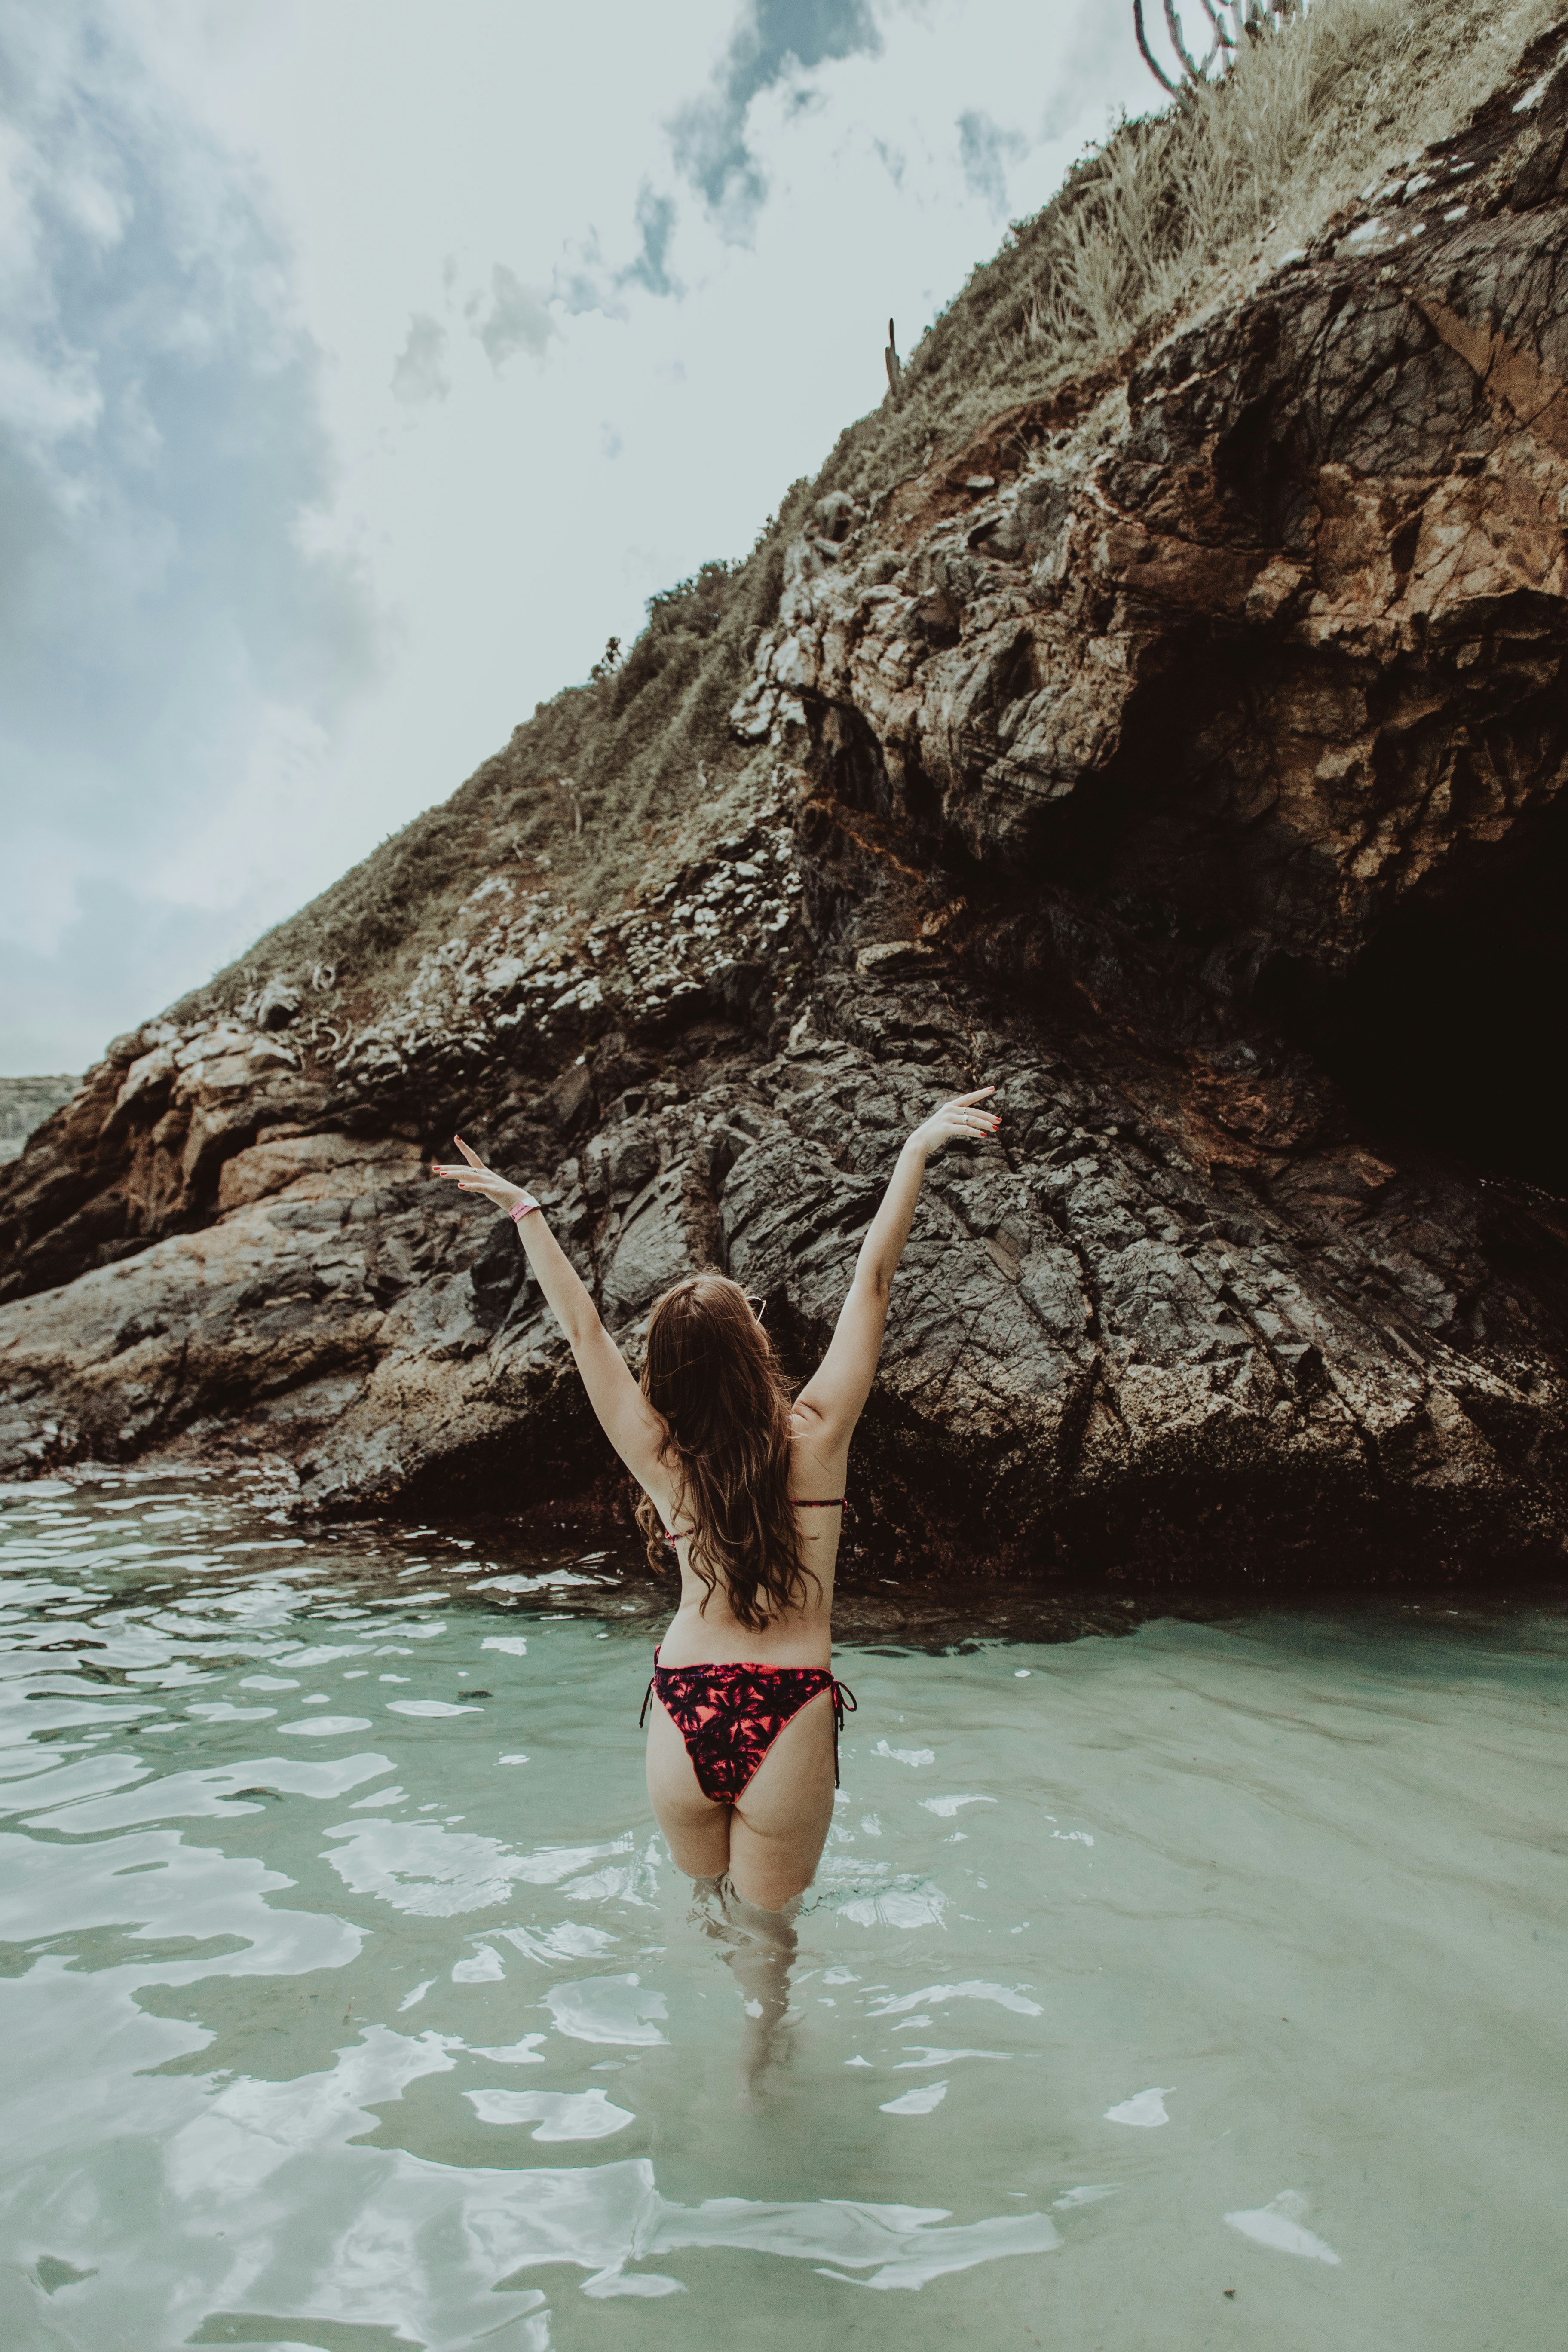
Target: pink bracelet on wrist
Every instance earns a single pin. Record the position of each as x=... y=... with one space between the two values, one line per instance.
x=524 y=1208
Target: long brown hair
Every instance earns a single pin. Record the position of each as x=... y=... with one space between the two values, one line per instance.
x=712 y=1377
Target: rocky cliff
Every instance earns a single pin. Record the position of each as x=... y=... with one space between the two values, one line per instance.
x=1182 y=751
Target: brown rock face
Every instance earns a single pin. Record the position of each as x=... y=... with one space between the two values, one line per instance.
x=1186 y=757
x=1272 y=641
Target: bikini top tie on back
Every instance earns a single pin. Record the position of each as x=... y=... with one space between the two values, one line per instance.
x=802 y=1503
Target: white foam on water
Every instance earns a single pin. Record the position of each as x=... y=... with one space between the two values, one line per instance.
x=580 y=2115
x=484 y=1967
x=524 y=2053
x=618 y=2009
x=934 y=2057
x=1278 y=2226
x=917 y=2103
x=972 y=1988
x=1145 y=2109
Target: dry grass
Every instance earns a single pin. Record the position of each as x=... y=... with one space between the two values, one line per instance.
x=606 y=787
x=1175 y=211
x=1263 y=157
x=1182 y=208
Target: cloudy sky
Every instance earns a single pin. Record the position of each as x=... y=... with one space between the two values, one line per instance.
x=364 y=364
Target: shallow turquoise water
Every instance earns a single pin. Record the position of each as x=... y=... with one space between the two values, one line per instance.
x=351 y=2001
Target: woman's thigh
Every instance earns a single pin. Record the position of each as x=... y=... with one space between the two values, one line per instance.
x=695 y=1829
x=779 y=1828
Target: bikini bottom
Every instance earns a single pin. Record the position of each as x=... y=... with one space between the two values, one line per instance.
x=730 y=1715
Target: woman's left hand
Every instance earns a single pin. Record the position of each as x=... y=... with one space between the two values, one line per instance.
x=473 y=1176
x=959 y=1121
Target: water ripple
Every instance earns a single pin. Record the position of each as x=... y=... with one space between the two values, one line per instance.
x=1288 y=1894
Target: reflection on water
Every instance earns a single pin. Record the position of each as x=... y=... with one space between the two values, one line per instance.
x=351 y=2001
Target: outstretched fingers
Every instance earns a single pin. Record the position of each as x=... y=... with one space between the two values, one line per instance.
x=469 y=1174
x=962 y=1116
x=471 y=1165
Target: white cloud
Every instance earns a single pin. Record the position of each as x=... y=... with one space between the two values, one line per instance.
x=160 y=617
x=491 y=323
x=518 y=321
x=985 y=149
x=775 y=43
x=420 y=369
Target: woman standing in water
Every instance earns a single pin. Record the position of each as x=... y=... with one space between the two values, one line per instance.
x=744 y=1490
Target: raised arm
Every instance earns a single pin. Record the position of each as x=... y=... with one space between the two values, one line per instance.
x=837 y=1392
x=624 y=1414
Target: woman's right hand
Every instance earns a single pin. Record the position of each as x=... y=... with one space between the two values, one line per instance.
x=473 y=1176
x=958 y=1118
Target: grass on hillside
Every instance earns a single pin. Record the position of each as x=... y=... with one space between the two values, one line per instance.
x=1183 y=206
x=614 y=782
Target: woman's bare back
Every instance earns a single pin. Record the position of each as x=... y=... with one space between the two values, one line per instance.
x=705 y=1631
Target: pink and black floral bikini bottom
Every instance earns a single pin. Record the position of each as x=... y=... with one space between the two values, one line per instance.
x=730 y=1715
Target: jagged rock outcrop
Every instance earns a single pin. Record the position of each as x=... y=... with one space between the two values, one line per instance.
x=1186 y=756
